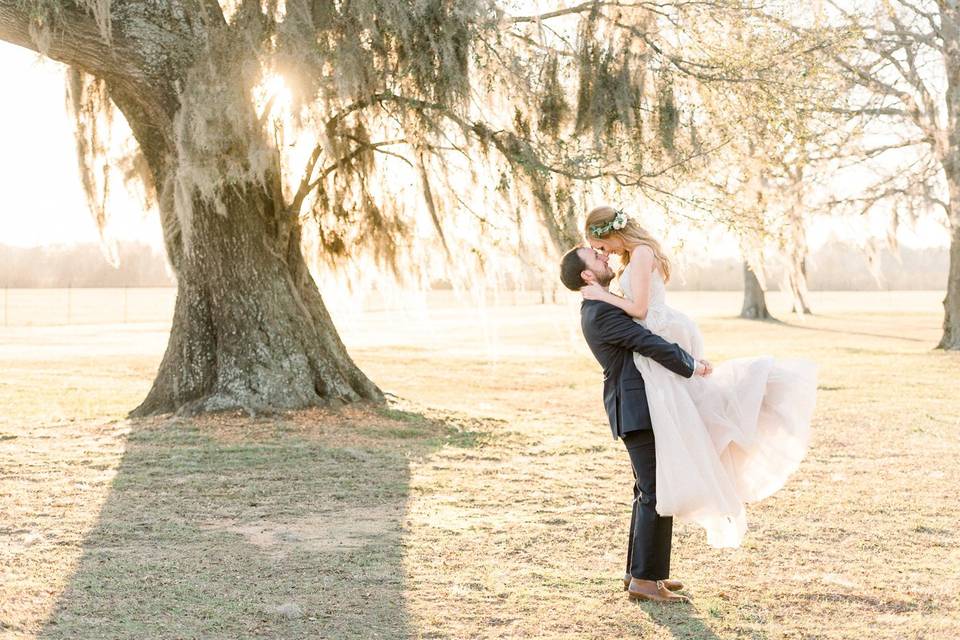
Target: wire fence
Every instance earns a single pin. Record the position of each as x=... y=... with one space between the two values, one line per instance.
x=71 y=305
x=74 y=305
x=117 y=305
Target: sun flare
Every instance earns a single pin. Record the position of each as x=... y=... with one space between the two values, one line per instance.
x=273 y=96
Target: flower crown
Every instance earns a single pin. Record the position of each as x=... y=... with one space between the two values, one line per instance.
x=618 y=222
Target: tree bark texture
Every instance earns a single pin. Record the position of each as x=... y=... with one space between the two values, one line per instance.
x=250 y=328
x=754 y=300
x=951 y=302
x=950 y=159
x=798 y=287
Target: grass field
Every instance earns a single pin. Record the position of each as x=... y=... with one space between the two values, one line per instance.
x=488 y=501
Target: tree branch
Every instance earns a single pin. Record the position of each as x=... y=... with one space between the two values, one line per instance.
x=926 y=15
x=580 y=8
x=75 y=40
x=356 y=153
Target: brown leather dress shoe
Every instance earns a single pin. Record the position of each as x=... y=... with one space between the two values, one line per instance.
x=653 y=592
x=672 y=585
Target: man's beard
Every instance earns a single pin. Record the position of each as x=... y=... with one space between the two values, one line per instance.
x=605 y=278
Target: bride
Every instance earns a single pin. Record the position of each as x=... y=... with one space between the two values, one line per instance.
x=721 y=441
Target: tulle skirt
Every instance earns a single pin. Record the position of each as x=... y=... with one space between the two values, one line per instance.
x=729 y=439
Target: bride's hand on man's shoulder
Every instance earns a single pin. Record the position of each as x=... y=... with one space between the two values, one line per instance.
x=593 y=292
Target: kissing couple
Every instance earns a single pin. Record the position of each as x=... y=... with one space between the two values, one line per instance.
x=702 y=440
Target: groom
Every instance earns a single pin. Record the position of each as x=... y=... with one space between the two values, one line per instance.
x=613 y=337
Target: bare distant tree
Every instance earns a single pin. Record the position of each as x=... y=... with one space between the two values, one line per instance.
x=778 y=131
x=903 y=110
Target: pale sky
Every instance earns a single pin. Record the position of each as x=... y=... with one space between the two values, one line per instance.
x=43 y=202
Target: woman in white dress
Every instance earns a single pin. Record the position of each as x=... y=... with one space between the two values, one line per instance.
x=721 y=441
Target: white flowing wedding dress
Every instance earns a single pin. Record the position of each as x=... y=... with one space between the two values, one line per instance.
x=728 y=439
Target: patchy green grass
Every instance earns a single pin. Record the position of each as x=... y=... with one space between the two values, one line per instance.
x=211 y=528
x=489 y=503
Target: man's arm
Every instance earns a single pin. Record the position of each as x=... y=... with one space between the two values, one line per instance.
x=616 y=327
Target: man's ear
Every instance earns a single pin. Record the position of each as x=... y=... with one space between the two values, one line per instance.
x=588 y=276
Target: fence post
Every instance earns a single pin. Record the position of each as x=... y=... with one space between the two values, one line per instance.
x=125 y=304
x=69 y=302
x=6 y=303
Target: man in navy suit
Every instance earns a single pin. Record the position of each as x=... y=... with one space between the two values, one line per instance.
x=613 y=337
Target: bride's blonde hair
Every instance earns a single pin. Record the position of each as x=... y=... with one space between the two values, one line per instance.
x=631 y=235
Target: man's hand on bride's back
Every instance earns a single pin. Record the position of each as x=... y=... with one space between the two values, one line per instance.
x=704 y=368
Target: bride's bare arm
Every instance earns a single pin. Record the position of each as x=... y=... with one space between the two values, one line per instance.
x=641 y=267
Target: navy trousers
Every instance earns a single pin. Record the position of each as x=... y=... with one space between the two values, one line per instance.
x=648 y=551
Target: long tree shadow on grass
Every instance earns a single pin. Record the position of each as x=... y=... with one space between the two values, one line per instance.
x=867 y=334
x=228 y=528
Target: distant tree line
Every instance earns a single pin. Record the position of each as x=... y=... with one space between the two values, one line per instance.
x=835 y=266
x=83 y=265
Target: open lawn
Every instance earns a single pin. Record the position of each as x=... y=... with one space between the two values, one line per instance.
x=488 y=501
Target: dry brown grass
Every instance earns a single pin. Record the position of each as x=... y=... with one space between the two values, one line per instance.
x=489 y=502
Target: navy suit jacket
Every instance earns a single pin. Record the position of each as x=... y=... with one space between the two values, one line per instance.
x=613 y=337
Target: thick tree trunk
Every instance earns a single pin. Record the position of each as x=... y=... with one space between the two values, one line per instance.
x=951 y=303
x=950 y=158
x=754 y=301
x=250 y=330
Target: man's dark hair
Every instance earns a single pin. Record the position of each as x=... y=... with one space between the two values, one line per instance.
x=571 y=266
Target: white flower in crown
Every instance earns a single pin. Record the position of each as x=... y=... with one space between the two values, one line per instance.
x=620 y=220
